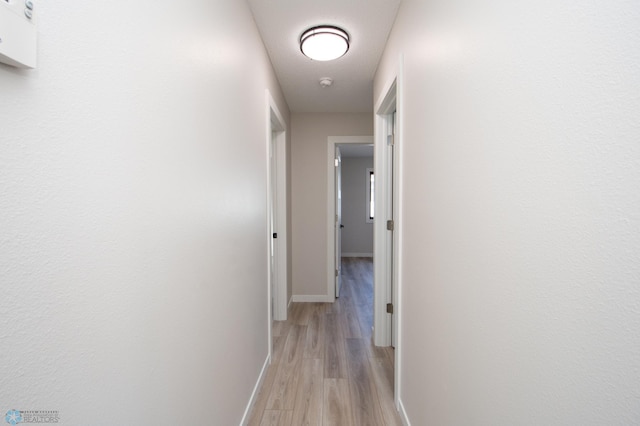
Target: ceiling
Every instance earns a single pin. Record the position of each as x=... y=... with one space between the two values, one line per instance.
x=368 y=22
x=351 y=150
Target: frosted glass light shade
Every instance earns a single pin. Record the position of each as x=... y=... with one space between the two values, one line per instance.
x=324 y=43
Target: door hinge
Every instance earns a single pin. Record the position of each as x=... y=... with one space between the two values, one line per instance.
x=336 y=272
x=390 y=308
x=390 y=140
x=390 y=225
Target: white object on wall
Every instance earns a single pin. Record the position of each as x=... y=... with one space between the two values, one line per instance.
x=18 y=33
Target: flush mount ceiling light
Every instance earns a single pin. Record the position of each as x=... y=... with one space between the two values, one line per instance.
x=324 y=43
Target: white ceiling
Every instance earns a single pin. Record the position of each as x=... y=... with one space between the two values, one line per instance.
x=368 y=22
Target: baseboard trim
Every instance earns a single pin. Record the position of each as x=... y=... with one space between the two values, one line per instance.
x=290 y=302
x=254 y=394
x=312 y=298
x=357 y=254
x=403 y=414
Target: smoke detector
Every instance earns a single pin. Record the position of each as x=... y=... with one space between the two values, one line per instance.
x=326 y=81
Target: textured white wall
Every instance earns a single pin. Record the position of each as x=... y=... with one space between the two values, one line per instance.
x=133 y=214
x=309 y=133
x=357 y=235
x=521 y=168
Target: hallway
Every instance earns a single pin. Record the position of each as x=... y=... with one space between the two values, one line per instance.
x=134 y=253
x=325 y=368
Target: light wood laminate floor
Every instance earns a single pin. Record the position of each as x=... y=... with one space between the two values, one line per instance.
x=325 y=369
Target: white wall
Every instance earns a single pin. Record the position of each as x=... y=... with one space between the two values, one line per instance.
x=357 y=235
x=133 y=258
x=521 y=241
x=309 y=133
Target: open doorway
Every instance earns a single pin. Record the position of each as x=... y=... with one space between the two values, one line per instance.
x=341 y=148
x=387 y=226
x=354 y=184
x=356 y=268
x=358 y=200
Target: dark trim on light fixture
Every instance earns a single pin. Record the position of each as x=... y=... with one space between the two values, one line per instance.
x=308 y=34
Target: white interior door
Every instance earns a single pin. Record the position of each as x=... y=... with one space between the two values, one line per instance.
x=338 y=222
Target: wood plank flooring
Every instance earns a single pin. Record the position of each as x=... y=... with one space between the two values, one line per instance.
x=325 y=369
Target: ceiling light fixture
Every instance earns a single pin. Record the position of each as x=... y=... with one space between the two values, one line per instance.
x=324 y=43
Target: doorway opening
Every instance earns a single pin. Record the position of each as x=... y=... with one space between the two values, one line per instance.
x=354 y=199
x=337 y=147
x=373 y=278
x=387 y=303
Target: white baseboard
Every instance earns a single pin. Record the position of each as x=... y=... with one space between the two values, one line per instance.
x=357 y=254
x=290 y=302
x=403 y=414
x=312 y=298
x=254 y=394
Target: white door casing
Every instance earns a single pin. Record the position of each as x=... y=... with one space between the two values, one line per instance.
x=391 y=216
x=273 y=222
x=277 y=214
x=383 y=239
x=338 y=222
x=388 y=244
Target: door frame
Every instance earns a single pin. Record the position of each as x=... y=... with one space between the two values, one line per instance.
x=337 y=230
x=389 y=101
x=332 y=143
x=276 y=135
x=382 y=258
